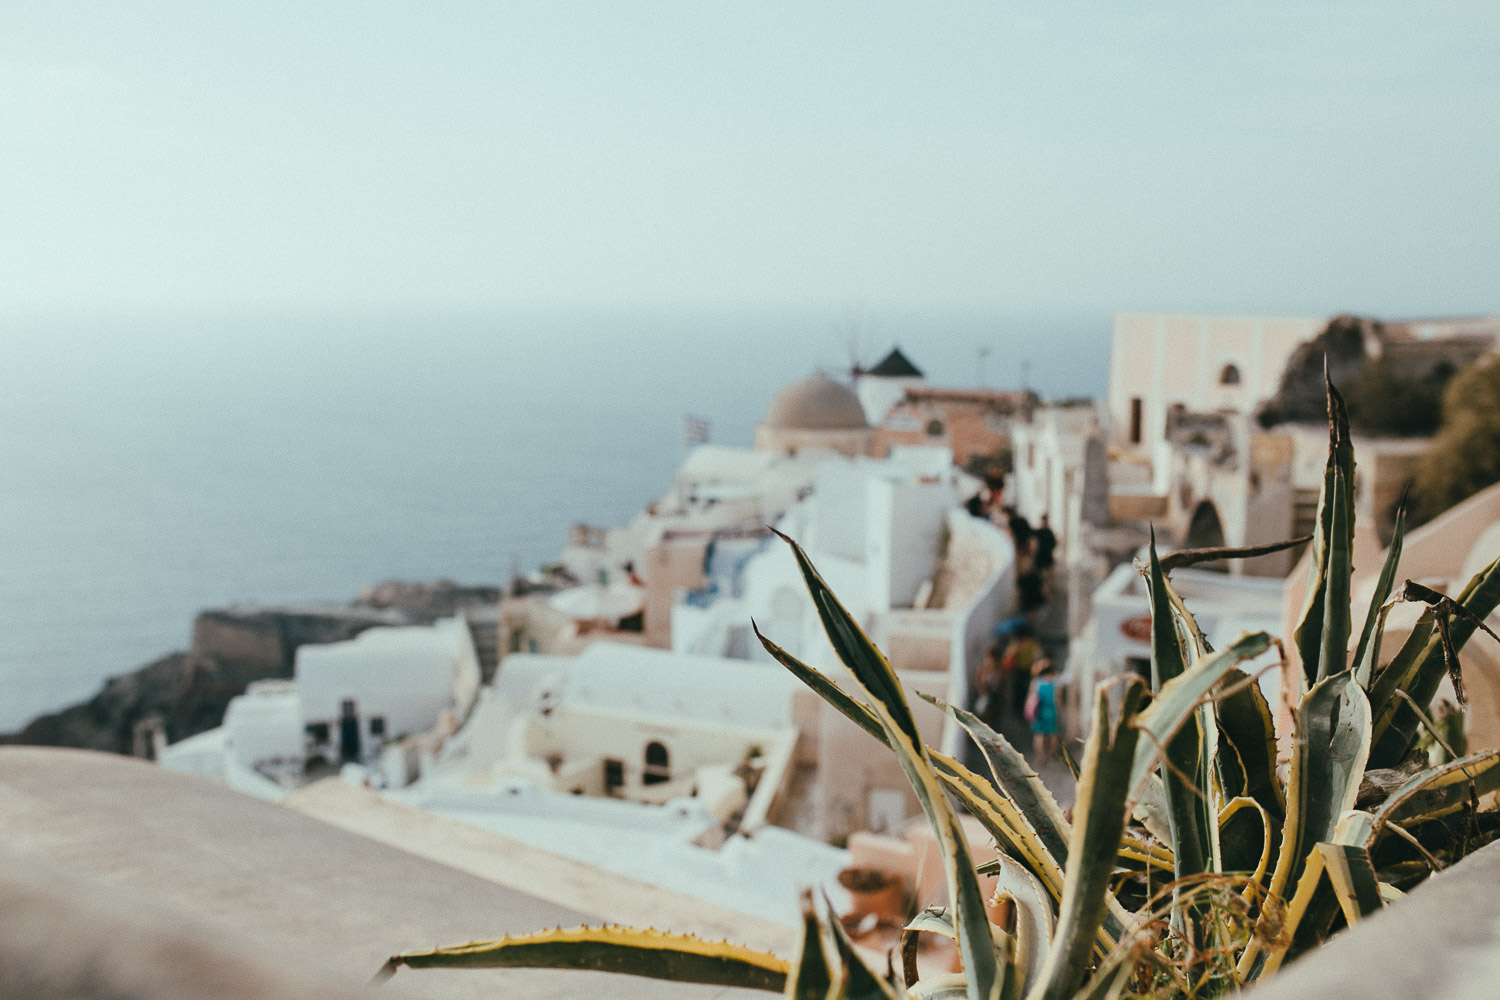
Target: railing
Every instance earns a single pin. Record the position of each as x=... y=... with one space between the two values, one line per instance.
x=993 y=602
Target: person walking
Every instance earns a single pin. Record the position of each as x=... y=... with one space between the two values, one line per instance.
x=1041 y=710
x=1044 y=542
x=1016 y=665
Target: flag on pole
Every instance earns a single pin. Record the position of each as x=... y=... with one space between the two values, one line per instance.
x=694 y=430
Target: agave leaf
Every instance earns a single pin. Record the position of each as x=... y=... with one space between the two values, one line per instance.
x=1419 y=668
x=978 y=797
x=1186 y=756
x=1178 y=701
x=1318 y=626
x=1034 y=920
x=1353 y=879
x=947 y=986
x=857 y=981
x=1245 y=837
x=1002 y=821
x=1310 y=880
x=1333 y=655
x=855 y=711
x=1330 y=746
x=1099 y=822
x=873 y=673
x=1192 y=557
x=814 y=974
x=1342 y=864
x=1247 y=729
x=1196 y=647
x=1110 y=981
x=1440 y=791
x=1017 y=781
x=1150 y=810
x=1369 y=641
x=631 y=951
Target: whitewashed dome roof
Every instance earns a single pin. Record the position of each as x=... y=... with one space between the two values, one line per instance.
x=816 y=403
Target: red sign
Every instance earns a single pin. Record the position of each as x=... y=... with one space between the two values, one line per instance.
x=1137 y=629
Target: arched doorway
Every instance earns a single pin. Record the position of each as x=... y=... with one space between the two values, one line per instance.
x=658 y=769
x=1206 y=531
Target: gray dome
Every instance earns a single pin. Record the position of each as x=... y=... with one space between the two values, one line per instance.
x=816 y=403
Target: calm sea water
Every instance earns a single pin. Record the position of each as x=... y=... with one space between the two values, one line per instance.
x=152 y=468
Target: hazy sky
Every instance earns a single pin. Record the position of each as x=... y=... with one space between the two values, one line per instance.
x=1259 y=156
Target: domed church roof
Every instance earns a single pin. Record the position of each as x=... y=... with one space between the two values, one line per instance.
x=816 y=403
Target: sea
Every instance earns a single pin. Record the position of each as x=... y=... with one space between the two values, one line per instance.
x=154 y=466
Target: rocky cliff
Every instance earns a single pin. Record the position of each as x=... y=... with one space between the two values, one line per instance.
x=232 y=647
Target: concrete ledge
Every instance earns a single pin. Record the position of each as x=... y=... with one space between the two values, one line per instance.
x=1442 y=942
x=606 y=895
x=284 y=889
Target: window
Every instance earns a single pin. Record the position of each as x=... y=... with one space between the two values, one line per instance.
x=1135 y=420
x=934 y=428
x=377 y=725
x=1230 y=375
x=658 y=768
x=318 y=731
x=614 y=775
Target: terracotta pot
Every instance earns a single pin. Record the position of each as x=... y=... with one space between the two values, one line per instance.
x=874 y=891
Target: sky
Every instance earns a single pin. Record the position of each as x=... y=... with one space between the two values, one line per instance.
x=1060 y=157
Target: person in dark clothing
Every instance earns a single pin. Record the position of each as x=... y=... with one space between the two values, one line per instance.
x=1045 y=546
x=1020 y=534
x=1031 y=592
x=975 y=506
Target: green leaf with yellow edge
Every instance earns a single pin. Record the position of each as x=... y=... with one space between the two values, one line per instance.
x=1247 y=727
x=815 y=974
x=857 y=981
x=1015 y=778
x=1245 y=838
x=1440 y=791
x=1002 y=821
x=999 y=815
x=1181 y=698
x=1098 y=824
x=1419 y=667
x=1330 y=747
x=1034 y=920
x=1318 y=626
x=873 y=673
x=1182 y=744
x=630 y=951
x=1368 y=649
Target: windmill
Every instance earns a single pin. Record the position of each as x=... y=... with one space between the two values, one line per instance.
x=856 y=330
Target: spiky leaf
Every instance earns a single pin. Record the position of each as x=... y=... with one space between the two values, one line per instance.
x=1099 y=822
x=873 y=673
x=631 y=951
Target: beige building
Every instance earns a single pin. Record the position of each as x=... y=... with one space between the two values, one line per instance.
x=1204 y=363
x=814 y=413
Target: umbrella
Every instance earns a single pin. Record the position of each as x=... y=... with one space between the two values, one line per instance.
x=611 y=601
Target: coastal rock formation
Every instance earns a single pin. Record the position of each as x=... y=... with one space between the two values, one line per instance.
x=231 y=648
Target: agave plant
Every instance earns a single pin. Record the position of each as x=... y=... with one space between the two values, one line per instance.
x=1194 y=862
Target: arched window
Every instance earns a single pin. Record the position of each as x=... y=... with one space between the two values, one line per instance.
x=1230 y=375
x=934 y=428
x=658 y=769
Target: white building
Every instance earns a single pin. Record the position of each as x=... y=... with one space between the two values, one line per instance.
x=389 y=686
x=1117 y=639
x=659 y=765
x=885 y=385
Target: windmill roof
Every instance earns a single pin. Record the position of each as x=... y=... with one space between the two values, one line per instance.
x=895 y=365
